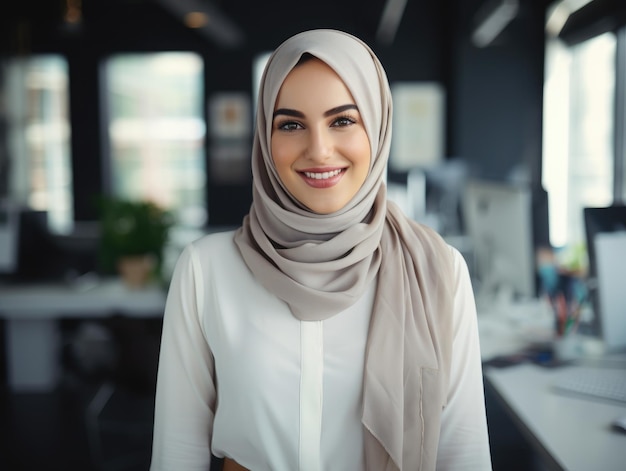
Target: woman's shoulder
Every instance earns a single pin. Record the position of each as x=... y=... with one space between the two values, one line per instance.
x=212 y=248
x=219 y=240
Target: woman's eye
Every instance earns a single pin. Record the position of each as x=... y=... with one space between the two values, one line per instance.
x=343 y=121
x=289 y=126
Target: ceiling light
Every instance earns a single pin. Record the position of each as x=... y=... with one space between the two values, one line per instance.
x=196 y=19
x=390 y=20
x=216 y=26
x=493 y=17
x=73 y=11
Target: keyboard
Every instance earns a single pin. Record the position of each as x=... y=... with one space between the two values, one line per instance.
x=609 y=384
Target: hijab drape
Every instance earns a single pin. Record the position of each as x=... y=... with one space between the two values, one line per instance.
x=320 y=264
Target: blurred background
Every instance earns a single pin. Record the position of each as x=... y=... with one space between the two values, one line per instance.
x=126 y=128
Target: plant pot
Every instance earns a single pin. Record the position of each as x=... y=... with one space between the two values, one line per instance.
x=135 y=270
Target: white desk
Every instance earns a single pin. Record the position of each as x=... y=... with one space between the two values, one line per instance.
x=571 y=433
x=32 y=313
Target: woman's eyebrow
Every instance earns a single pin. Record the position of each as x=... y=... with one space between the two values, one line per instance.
x=340 y=109
x=288 y=112
x=330 y=112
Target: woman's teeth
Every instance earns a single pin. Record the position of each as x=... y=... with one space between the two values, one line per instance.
x=323 y=175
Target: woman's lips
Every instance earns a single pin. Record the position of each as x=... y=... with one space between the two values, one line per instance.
x=322 y=178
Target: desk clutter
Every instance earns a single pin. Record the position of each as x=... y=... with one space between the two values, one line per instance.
x=555 y=377
x=527 y=331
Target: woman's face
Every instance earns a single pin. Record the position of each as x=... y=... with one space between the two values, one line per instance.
x=319 y=145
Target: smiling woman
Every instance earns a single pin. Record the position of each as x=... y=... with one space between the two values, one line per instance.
x=357 y=331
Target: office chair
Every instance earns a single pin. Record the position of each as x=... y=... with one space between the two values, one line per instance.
x=119 y=415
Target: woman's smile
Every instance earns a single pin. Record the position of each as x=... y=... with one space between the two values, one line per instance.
x=322 y=178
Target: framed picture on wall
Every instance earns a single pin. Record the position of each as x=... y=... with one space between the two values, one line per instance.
x=418 y=125
x=229 y=115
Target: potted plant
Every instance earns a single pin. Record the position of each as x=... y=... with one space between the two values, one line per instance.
x=133 y=236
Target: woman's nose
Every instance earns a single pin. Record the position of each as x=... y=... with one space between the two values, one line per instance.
x=319 y=145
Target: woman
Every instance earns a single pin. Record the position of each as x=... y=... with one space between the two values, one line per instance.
x=329 y=332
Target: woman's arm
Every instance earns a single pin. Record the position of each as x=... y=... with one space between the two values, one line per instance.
x=464 y=441
x=186 y=395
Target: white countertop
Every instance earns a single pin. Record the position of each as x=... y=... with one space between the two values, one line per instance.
x=87 y=299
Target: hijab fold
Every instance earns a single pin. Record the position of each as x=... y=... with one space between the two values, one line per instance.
x=320 y=264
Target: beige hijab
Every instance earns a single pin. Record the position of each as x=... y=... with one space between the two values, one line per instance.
x=321 y=264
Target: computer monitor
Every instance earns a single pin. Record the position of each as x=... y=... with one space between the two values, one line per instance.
x=498 y=220
x=44 y=256
x=9 y=237
x=610 y=253
x=601 y=220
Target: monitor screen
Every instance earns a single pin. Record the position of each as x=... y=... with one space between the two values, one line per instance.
x=9 y=236
x=610 y=254
x=601 y=220
x=498 y=221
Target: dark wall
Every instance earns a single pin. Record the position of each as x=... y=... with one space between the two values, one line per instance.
x=498 y=91
x=497 y=102
x=494 y=95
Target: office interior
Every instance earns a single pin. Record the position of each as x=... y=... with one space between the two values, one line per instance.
x=480 y=72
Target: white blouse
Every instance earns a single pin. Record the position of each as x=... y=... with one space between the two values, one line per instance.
x=288 y=392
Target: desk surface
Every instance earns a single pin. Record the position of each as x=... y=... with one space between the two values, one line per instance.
x=572 y=433
x=40 y=301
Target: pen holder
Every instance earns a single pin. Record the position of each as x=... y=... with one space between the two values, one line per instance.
x=567 y=313
x=567 y=293
x=566 y=347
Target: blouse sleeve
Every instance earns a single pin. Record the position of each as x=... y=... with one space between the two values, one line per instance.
x=464 y=442
x=185 y=394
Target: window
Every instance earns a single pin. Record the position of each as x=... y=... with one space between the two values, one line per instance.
x=35 y=92
x=620 y=117
x=258 y=66
x=156 y=131
x=578 y=153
